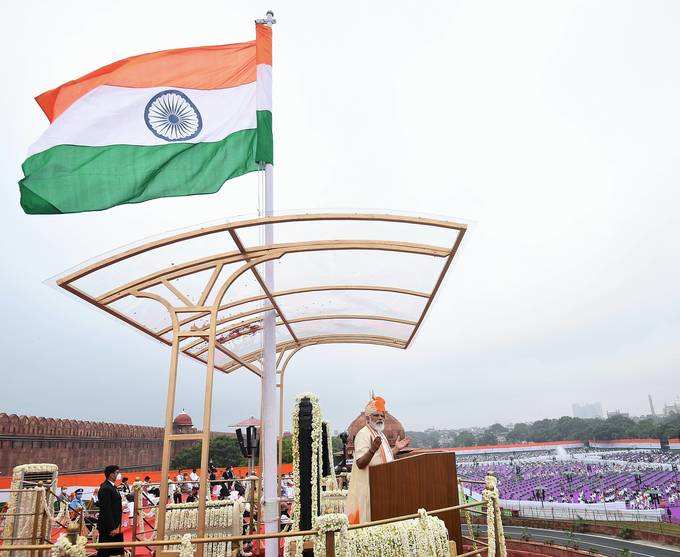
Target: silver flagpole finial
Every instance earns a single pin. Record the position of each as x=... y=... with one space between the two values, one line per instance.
x=269 y=20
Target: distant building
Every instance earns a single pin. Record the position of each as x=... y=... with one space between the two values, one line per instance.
x=671 y=408
x=587 y=410
x=446 y=439
x=618 y=413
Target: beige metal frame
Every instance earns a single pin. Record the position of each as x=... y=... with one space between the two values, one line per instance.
x=200 y=342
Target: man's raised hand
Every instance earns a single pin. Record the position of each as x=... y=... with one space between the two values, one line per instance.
x=401 y=444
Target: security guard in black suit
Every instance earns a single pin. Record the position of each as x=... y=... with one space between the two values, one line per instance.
x=110 y=513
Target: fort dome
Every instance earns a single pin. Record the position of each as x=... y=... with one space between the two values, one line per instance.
x=183 y=419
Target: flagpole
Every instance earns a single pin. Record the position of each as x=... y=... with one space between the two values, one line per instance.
x=270 y=503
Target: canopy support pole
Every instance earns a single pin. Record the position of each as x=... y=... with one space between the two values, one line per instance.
x=204 y=485
x=168 y=431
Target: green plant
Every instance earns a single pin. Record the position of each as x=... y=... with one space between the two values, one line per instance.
x=550 y=542
x=626 y=533
x=571 y=540
x=224 y=451
x=475 y=531
x=580 y=525
x=624 y=553
x=525 y=535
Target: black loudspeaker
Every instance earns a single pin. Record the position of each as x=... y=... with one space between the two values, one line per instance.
x=241 y=443
x=253 y=441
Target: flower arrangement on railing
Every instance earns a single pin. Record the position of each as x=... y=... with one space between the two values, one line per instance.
x=422 y=536
x=222 y=518
x=22 y=501
x=425 y=536
x=493 y=517
x=186 y=548
x=64 y=548
x=333 y=501
x=333 y=522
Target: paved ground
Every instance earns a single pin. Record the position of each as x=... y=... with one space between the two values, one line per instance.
x=602 y=544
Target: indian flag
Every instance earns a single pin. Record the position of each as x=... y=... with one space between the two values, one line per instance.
x=169 y=123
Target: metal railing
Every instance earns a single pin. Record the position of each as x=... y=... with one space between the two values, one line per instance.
x=330 y=536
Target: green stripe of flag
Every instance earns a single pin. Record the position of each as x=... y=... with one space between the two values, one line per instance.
x=73 y=178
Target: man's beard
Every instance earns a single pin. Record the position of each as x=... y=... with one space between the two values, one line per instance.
x=378 y=426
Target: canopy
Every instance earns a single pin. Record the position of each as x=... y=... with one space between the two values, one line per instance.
x=247 y=422
x=339 y=278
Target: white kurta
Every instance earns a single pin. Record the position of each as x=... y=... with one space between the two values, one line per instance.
x=358 y=504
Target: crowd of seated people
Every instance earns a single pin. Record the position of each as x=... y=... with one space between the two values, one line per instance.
x=572 y=481
x=641 y=456
x=506 y=455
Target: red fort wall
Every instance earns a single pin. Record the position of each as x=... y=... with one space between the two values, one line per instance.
x=76 y=445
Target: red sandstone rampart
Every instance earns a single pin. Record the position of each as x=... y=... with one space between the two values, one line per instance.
x=76 y=445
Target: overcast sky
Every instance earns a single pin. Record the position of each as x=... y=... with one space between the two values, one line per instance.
x=552 y=126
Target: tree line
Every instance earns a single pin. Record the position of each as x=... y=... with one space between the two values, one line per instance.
x=224 y=451
x=557 y=429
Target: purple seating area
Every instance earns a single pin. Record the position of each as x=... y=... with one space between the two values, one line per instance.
x=577 y=482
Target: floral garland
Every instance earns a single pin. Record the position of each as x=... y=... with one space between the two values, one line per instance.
x=425 y=536
x=493 y=517
x=333 y=501
x=316 y=440
x=332 y=522
x=186 y=549
x=63 y=547
x=468 y=521
x=222 y=518
x=316 y=465
x=15 y=485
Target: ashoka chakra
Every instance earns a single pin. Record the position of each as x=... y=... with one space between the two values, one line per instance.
x=172 y=116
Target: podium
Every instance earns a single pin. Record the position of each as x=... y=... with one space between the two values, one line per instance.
x=422 y=481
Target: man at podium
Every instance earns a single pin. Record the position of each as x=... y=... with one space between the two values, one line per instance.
x=371 y=447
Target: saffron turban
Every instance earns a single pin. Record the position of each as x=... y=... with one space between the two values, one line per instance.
x=377 y=404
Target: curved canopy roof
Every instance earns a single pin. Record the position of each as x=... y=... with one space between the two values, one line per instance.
x=339 y=278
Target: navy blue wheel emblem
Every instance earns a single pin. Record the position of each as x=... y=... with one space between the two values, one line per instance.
x=172 y=116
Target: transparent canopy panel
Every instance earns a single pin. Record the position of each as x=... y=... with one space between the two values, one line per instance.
x=338 y=277
x=355 y=268
x=353 y=326
x=329 y=229
x=342 y=300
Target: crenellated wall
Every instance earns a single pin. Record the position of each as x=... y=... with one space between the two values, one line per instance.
x=76 y=445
